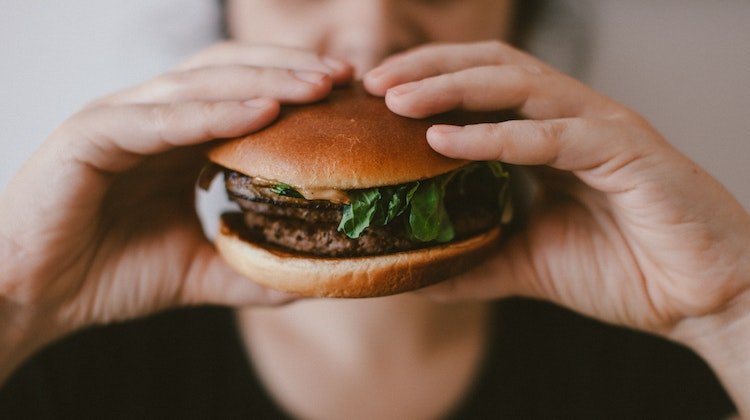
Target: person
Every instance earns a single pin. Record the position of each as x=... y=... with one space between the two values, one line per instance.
x=98 y=226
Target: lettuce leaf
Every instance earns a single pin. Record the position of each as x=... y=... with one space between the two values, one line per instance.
x=395 y=200
x=504 y=204
x=286 y=190
x=428 y=220
x=360 y=211
x=424 y=201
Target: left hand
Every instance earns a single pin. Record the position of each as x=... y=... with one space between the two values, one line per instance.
x=626 y=229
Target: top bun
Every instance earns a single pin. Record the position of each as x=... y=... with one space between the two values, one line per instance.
x=349 y=140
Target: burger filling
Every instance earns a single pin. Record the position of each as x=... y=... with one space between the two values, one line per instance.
x=373 y=221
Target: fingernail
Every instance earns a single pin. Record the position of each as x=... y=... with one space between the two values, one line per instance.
x=405 y=88
x=334 y=64
x=313 y=77
x=445 y=129
x=258 y=103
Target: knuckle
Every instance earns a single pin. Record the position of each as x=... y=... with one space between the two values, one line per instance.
x=453 y=81
x=170 y=82
x=215 y=117
x=262 y=53
x=74 y=126
x=209 y=108
x=225 y=47
x=458 y=87
x=289 y=49
x=523 y=82
x=626 y=116
x=228 y=45
x=531 y=70
x=550 y=137
x=551 y=131
x=495 y=47
x=161 y=118
x=101 y=101
x=205 y=55
x=431 y=46
x=271 y=54
x=188 y=82
x=577 y=125
x=498 y=132
x=425 y=50
x=175 y=78
x=517 y=74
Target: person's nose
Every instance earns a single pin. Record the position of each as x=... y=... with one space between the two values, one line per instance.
x=370 y=31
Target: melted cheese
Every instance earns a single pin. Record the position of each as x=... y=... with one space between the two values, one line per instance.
x=334 y=196
x=326 y=194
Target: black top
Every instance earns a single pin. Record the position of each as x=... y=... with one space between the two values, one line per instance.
x=545 y=362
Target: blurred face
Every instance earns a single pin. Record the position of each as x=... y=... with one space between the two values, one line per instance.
x=366 y=31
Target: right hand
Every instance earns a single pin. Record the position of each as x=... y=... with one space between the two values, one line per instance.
x=99 y=225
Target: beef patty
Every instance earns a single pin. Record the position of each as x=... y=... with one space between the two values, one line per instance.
x=310 y=227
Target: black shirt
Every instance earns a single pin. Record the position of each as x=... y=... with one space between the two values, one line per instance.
x=544 y=362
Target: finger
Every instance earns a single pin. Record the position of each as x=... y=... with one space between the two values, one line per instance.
x=236 y=53
x=211 y=281
x=609 y=155
x=74 y=169
x=560 y=258
x=510 y=272
x=228 y=83
x=435 y=59
x=113 y=139
x=545 y=262
x=531 y=91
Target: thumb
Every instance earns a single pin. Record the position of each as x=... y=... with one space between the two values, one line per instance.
x=211 y=281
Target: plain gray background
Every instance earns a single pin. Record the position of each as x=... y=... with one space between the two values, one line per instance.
x=684 y=64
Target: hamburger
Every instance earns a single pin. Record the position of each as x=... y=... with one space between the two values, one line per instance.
x=343 y=198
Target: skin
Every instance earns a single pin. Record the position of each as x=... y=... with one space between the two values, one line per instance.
x=99 y=226
x=364 y=32
x=625 y=228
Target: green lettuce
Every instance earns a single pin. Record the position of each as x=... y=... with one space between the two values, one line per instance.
x=428 y=220
x=360 y=212
x=423 y=200
x=375 y=206
x=286 y=190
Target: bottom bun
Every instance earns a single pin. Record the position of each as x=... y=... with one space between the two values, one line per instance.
x=355 y=277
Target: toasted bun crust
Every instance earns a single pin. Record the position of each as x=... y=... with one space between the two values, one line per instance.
x=351 y=277
x=349 y=140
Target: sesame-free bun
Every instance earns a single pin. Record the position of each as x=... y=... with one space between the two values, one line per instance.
x=356 y=277
x=349 y=140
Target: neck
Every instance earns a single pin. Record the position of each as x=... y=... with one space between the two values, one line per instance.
x=313 y=351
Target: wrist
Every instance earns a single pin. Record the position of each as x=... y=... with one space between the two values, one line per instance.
x=16 y=337
x=23 y=330
x=723 y=341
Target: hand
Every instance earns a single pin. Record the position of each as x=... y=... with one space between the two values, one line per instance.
x=625 y=229
x=100 y=226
